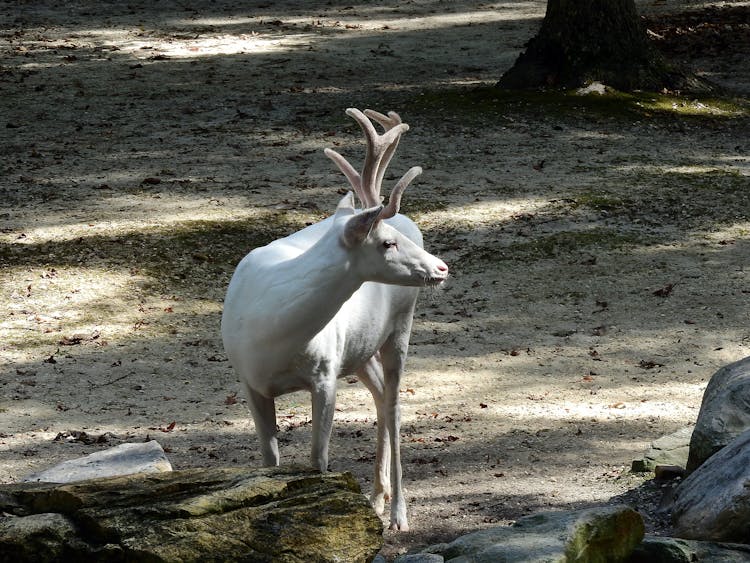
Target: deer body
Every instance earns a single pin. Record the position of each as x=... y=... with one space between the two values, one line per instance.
x=332 y=299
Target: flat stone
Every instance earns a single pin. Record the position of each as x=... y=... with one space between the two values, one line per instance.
x=671 y=449
x=125 y=459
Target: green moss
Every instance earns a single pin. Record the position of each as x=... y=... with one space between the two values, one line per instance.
x=551 y=246
x=568 y=242
x=492 y=105
x=600 y=201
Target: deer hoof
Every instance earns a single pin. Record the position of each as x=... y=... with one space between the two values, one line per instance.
x=401 y=527
x=378 y=503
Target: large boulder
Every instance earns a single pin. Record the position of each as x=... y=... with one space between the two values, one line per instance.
x=273 y=514
x=593 y=535
x=713 y=502
x=672 y=550
x=724 y=414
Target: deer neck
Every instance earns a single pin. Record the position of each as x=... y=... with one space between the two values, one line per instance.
x=320 y=282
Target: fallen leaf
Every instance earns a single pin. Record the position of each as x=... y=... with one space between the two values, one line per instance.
x=664 y=291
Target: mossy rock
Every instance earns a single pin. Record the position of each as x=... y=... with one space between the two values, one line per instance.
x=230 y=514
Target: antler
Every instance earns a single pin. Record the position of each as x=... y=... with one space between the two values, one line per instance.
x=380 y=149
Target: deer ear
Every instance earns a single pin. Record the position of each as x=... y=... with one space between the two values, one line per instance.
x=358 y=228
x=346 y=205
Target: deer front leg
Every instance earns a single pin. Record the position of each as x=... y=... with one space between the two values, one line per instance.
x=323 y=407
x=371 y=375
x=263 y=410
x=393 y=357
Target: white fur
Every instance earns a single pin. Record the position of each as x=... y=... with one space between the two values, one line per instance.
x=332 y=299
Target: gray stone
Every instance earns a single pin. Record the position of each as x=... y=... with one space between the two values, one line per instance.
x=125 y=459
x=724 y=414
x=668 y=450
x=673 y=550
x=593 y=535
x=419 y=558
x=40 y=537
x=713 y=502
x=289 y=514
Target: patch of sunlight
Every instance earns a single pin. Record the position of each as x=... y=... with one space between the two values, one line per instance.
x=693 y=107
x=364 y=21
x=605 y=407
x=145 y=45
x=725 y=235
x=122 y=215
x=47 y=305
x=692 y=169
x=215 y=45
x=484 y=212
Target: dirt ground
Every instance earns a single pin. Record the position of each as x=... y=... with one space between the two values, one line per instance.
x=598 y=248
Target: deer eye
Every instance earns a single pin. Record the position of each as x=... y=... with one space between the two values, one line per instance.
x=390 y=244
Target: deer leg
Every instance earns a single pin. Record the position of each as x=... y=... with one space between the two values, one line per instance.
x=323 y=407
x=263 y=410
x=371 y=375
x=393 y=355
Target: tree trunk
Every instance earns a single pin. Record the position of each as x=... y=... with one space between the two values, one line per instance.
x=590 y=40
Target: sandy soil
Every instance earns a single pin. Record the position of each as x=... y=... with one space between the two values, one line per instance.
x=598 y=251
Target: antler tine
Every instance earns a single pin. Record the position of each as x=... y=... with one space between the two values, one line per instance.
x=388 y=122
x=394 y=202
x=351 y=174
x=377 y=149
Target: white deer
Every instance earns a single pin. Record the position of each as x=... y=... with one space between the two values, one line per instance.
x=333 y=299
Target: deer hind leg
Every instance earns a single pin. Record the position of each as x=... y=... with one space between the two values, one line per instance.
x=371 y=375
x=263 y=410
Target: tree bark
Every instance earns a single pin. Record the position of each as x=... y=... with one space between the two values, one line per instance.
x=582 y=41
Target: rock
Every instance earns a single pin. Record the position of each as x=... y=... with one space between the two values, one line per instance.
x=724 y=414
x=713 y=502
x=673 y=550
x=125 y=459
x=229 y=514
x=668 y=450
x=38 y=537
x=606 y=534
x=593 y=88
x=668 y=472
x=419 y=558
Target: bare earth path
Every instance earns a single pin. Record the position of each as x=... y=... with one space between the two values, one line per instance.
x=599 y=250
